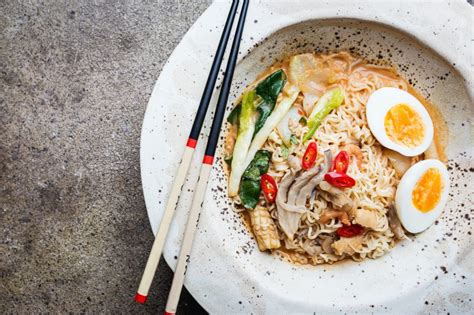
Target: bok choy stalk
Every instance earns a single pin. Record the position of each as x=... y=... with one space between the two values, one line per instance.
x=233 y=117
x=267 y=93
x=268 y=90
x=247 y=119
x=262 y=103
x=330 y=100
x=290 y=94
x=250 y=186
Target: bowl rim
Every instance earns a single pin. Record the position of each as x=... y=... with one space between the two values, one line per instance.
x=461 y=69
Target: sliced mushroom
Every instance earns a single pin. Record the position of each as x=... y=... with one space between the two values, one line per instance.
x=284 y=186
x=293 y=193
x=300 y=182
x=307 y=189
x=282 y=195
x=288 y=218
x=336 y=196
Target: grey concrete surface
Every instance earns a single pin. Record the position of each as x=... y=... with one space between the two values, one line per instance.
x=75 y=78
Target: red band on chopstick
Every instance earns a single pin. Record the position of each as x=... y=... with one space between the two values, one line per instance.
x=169 y=313
x=140 y=298
x=208 y=159
x=191 y=143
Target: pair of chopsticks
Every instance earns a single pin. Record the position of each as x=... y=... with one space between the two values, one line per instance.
x=206 y=167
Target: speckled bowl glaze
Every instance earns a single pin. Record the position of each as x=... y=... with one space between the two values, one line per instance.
x=227 y=274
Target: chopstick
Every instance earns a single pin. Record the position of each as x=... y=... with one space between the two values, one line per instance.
x=206 y=167
x=157 y=248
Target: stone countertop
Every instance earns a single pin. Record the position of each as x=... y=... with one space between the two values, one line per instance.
x=75 y=78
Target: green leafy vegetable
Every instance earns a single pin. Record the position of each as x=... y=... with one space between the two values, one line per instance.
x=250 y=186
x=258 y=166
x=257 y=106
x=233 y=117
x=328 y=102
x=268 y=90
x=247 y=118
x=249 y=193
x=273 y=120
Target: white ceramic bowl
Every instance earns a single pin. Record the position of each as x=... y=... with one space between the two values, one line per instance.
x=430 y=45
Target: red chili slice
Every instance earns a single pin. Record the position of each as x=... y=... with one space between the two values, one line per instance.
x=341 y=162
x=339 y=180
x=309 y=157
x=350 y=230
x=269 y=187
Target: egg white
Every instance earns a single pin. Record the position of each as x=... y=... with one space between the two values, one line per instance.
x=411 y=218
x=380 y=102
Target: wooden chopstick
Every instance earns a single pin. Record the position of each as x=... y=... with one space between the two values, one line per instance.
x=156 y=250
x=200 y=191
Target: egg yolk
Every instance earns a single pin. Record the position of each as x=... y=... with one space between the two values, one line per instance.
x=427 y=191
x=404 y=126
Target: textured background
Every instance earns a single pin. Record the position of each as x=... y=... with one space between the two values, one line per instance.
x=75 y=78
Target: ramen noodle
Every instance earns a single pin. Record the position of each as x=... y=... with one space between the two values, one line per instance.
x=312 y=234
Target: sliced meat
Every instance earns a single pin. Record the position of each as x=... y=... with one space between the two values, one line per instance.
x=264 y=229
x=367 y=218
x=348 y=245
x=336 y=196
x=329 y=214
x=395 y=224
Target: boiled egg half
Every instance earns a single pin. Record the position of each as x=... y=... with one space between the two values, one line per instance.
x=399 y=121
x=422 y=194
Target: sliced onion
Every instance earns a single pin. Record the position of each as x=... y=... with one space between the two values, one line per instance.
x=399 y=162
x=310 y=76
x=299 y=64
